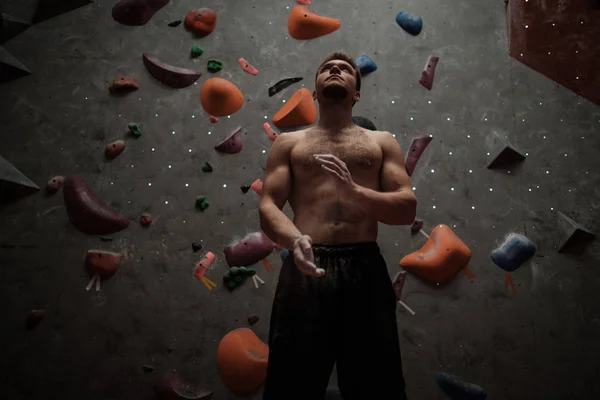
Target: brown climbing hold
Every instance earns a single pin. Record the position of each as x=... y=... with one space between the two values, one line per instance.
x=55 y=184
x=220 y=97
x=145 y=220
x=174 y=77
x=303 y=24
x=442 y=256
x=242 y=359
x=298 y=110
x=123 y=84
x=103 y=263
x=213 y=119
x=252 y=319
x=34 y=318
x=114 y=149
x=201 y=22
x=172 y=386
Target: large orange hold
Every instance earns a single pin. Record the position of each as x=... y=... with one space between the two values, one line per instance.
x=299 y=110
x=242 y=359
x=442 y=256
x=304 y=24
x=220 y=97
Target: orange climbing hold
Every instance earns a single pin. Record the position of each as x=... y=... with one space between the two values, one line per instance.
x=247 y=67
x=201 y=21
x=242 y=359
x=299 y=110
x=257 y=186
x=220 y=97
x=442 y=256
x=304 y=24
x=269 y=131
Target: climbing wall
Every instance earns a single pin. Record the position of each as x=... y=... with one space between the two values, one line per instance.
x=156 y=310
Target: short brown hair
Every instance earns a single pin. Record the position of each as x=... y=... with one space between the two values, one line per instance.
x=341 y=55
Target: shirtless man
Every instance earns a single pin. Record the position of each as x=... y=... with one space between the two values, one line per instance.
x=334 y=301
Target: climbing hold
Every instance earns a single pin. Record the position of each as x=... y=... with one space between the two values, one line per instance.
x=398 y=283
x=257 y=186
x=123 y=84
x=442 y=256
x=87 y=212
x=172 y=386
x=282 y=84
x=13 y=184
x=175 y=23
x=196 y=247
x=135 y=129
x=196 y=51
x=147 y=368
x=457 y=389
x=201 y=22
x=106 y=239
x=145 y=220
x=249 y=250
x=242 y=359
x=235 y=276
x=428 y=73
x=284 y=253
x=516 y=250
x=252 y=319
x=232 y=144
x=202 y=202
x=103 y=263
x=213 y=119
x=55 y=184
x=364 y=123
x=136 y=12
x=203 y=265
x=416 y=226
x=207 y=167
x=574 y=237
x=299 y=110
x=214 y=65
x=114 y=149
x=506 y=155
x=410 y=23
x=303 y=24
x=417 y=147
x=220 y=97
x=365 y=64
x=245 y=188
x=174 y=77
x=11 y=27
x=34 y=317
x=269 y=131
x=247 y=67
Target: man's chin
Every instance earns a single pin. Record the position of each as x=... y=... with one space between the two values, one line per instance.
x=333 y=90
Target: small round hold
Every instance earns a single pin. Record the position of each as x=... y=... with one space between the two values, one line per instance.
x=114 y=149
x=55 y=184
x=145 y=220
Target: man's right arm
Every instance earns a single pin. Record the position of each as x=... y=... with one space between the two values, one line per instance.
x=277 y=186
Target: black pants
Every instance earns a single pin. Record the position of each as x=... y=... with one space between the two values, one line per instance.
x=347 y=317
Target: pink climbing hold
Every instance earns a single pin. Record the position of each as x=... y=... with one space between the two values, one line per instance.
x=213 y=119
x=417 y=147
x=429 y=72
x=304 y=2
x=269 y=131
x=247 y=67
x=55 y=184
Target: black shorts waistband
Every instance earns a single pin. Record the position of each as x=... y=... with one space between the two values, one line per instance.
x=345 y=249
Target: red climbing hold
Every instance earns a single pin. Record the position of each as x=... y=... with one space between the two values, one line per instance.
x=429 y=72
x=145 y=220
x=201 y=22
x=417 y=147
x=55 y=184
x=304 y=2
x=103 y=263
x=213 y=119
x=123 y=84
x=269 y=131
x=247 y=67
x=114 y=149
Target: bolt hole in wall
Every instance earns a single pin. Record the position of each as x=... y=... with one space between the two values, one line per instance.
x=510 y=152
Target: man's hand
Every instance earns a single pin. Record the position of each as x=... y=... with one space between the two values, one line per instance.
x=338 y=168
x=304 y=257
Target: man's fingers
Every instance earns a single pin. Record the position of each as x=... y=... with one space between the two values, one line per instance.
x=333 y=172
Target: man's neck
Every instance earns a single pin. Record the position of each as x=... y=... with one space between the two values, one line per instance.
x=335 y=117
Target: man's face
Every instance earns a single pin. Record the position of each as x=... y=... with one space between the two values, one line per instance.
x=336 y=80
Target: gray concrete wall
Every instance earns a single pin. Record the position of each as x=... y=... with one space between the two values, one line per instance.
x=540 y=342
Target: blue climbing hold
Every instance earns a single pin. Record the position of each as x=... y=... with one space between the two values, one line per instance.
x=365 y=64
x=515 y=251
x=410 y=23
x=457 y=389
x=284 y=253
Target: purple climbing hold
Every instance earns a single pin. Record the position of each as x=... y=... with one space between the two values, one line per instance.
x=429 y=72
x=417 y=147
x=249 y=250
x=232 y=144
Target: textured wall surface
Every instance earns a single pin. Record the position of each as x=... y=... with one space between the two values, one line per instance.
x=538 y=343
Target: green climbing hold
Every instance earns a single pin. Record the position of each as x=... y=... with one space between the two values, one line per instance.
x=234 y=270
x=214 y=65
x=244 y=271
x=231 y=285
x=197 y=51
x=251 y=272
x=207 y=167
x=106 y=239
x=239 y=279
x=202 y=203
x=135 y=129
